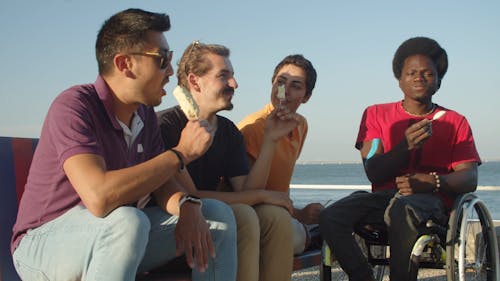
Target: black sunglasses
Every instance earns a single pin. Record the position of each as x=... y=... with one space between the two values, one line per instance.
x=165 y=58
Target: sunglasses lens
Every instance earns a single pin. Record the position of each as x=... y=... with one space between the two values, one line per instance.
x=165 y=60
x=163 y=63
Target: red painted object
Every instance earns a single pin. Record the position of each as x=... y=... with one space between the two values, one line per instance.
x=15 y=160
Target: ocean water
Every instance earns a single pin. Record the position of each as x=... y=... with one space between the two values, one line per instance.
x=323 y=182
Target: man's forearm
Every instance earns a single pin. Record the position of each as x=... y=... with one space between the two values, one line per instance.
x=168 y=195
x=260 y=167
x=383 y=167
x=460 y=181
x=249 y=197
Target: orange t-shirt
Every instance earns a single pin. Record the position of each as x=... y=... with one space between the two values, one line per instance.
x=287 y=149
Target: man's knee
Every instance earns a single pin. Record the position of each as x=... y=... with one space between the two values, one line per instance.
x=215 y=210
x=274 y=218
x=329 y=220
x=220 y=218
x=128 y=226
x=247 y=222
x=396 y=213
x=135 y=219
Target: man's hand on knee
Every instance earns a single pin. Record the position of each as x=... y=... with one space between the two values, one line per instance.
x=193 y=237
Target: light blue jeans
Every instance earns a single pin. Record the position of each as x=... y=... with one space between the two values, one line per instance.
x=80 y=246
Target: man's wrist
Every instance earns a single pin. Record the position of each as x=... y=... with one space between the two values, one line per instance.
x=437 y=182
x=186 y=198
x=179 y=157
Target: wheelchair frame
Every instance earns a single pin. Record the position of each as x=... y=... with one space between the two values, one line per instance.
x=469 y=252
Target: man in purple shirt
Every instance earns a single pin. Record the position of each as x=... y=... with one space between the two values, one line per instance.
x=100 y=159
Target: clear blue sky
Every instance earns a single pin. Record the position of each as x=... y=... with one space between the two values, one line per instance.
x=48 y=46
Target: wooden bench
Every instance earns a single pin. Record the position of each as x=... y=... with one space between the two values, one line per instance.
x=15 y=159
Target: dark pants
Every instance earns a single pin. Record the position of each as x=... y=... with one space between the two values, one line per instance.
x=403 y=216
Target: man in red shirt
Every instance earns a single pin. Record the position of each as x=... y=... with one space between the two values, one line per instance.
x=416 y=165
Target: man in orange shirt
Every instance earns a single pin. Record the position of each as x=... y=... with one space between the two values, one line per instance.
x=298 y=76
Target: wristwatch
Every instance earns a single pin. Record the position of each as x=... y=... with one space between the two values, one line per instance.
x=189 y=198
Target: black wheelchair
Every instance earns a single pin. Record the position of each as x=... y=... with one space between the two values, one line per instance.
x=466 y=248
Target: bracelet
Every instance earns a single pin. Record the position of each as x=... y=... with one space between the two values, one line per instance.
x=179 y=156
x=437 y=179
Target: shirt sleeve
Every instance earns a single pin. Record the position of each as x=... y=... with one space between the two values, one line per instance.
x=369 y=128
x=70 y=124
x=464 y=149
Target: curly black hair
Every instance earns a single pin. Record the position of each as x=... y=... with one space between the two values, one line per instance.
x=420 y=46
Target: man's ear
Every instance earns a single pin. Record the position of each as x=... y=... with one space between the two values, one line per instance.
x=193 y=82
x=123 y=64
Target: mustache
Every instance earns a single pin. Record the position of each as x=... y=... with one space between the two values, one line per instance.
x=228 y=90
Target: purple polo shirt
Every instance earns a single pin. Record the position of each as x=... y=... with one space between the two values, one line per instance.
x=80 y=121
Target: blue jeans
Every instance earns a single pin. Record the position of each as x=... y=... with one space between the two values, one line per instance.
x=80 y=246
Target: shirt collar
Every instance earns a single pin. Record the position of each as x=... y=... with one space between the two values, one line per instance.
x=107 y=98
x=130 y=134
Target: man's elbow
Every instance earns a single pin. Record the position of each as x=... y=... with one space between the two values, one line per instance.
x=472 y=184
x=374 y=175
x=97 y=207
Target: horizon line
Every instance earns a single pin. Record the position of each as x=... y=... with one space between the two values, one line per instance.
x=367 y=187
x=306 y=162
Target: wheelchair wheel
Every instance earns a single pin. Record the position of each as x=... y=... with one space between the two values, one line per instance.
x=471 y=248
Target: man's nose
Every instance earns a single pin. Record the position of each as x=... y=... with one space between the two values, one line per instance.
x=233 y=83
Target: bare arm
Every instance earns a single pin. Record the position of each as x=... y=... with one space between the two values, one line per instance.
x=309 y=214
x=463 y=179
x=278 y=124
x=168 y=195
x=249 y=197
x=102 y=191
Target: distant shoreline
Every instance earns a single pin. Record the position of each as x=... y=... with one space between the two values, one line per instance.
x=363 y=187
x=326 y=162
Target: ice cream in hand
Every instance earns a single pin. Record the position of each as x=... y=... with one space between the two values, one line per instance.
x=187 y=103
x=281 y=94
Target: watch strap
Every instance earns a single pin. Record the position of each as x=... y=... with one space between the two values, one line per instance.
x=189 y=198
